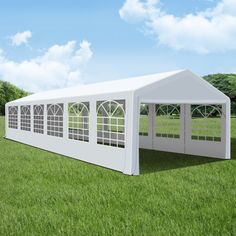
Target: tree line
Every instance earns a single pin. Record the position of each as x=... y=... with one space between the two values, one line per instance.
x=226 y=83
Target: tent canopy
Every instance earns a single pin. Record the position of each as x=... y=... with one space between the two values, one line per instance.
x=178 y=86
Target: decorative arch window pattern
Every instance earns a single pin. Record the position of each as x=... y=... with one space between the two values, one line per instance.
x=13 y=117
x=111 y=123
x=206 y=122
x=143 y=120
x=168 y=120
x=38 y=119
x=25 y=118
x=78 y=127
x=55 y=119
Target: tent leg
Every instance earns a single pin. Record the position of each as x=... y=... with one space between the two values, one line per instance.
x=131 y=165
x=227 y=130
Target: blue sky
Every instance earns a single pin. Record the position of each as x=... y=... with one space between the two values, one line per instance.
x=120 y=43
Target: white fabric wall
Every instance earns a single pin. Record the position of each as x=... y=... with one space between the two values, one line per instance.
x=121 y=159
x=185 y=144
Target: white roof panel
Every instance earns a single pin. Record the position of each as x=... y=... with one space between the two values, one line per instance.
x=107 y=87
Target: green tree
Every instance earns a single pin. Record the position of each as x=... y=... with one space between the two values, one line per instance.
x=226 y=83
x=9 y=92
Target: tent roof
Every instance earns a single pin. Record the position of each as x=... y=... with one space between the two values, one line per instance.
x=184 y=87
x=109 y=87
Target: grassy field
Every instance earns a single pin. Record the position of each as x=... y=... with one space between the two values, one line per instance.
x=42 y=193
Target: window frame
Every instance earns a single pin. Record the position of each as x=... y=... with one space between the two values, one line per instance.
x=111 y=127
x=13 y=117
x=25 y=117
x=55 y=122
x=80 y=133
x=38 y=123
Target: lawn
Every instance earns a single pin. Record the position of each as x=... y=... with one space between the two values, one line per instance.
x=42 y=193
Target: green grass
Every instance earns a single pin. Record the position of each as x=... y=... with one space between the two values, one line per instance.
x=42 y=193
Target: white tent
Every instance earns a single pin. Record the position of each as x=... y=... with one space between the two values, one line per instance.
x=101 y=123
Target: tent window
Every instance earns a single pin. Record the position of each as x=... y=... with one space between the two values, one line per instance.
x=55 y=120
x=111 y=123
x=13 y=117
x=143 y=120
x=206 y=122
x=38 y=119
x=25 y=122
x=168 y=120
x=78 y=127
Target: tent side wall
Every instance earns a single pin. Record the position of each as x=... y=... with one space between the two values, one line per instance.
x=113 y=157
x=185 y=143
x=184 y=90
x=218 y=149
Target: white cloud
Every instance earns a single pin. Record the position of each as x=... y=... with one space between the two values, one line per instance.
x=60 y=66
x=21 y=38
x=212 y=30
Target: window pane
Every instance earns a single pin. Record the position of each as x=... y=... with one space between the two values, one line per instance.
x=143 y=120
x=168 y=120
x=206 y=122
x=78 y=117
x=13 y=117
x=111 y=123
x=25 y=120
x=39 y=119
x=54 y=115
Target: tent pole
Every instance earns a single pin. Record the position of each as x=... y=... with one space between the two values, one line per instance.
x=227 y=129
x=131 y=165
